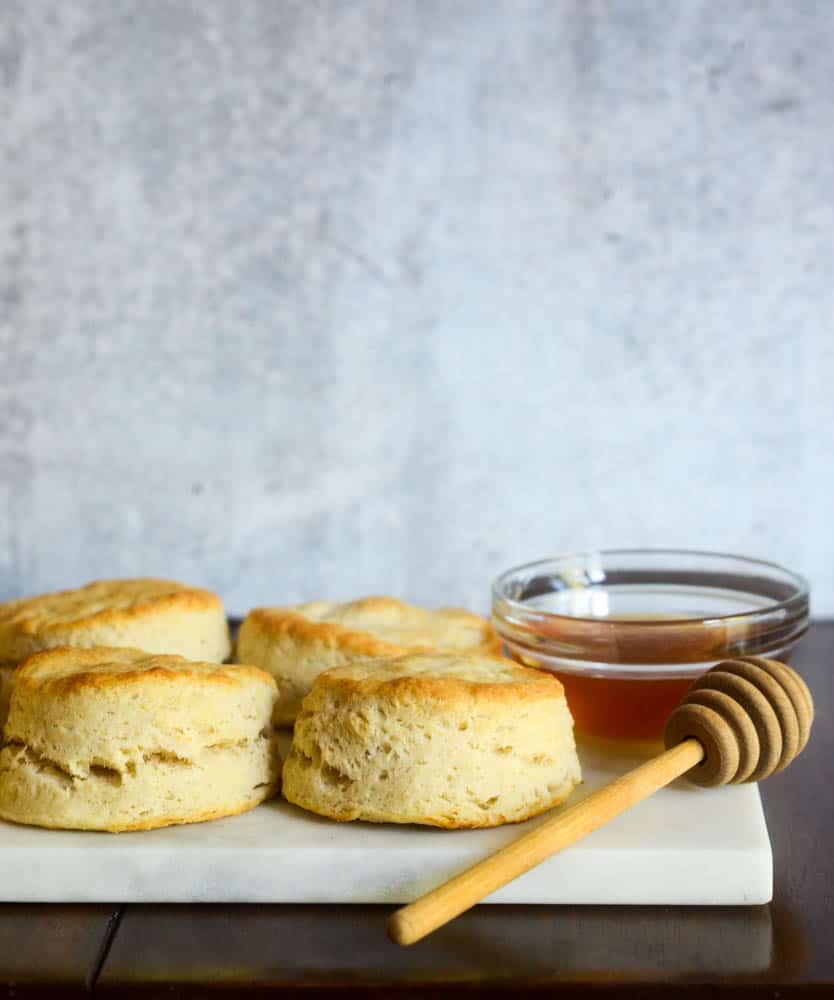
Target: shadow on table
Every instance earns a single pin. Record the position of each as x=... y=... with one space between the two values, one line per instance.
x=296 y=945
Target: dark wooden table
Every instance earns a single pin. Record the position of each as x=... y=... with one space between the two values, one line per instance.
x=780 y=950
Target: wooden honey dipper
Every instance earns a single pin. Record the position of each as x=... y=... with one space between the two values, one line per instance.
x=741 y=721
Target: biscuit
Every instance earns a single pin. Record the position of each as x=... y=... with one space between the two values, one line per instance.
x=442 y=740
x=6 y=677
x=119 y=739
x=159 y=616
x=296 y=644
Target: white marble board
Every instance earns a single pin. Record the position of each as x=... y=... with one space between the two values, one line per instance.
x=684 y=845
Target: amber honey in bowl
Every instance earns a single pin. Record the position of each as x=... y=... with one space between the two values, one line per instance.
x=628 y=631
x=607 y=706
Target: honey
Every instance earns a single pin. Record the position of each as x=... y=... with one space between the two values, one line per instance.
x=620 y=708
x=627 y=632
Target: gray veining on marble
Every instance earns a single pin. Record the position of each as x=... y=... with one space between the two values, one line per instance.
x=318 y=298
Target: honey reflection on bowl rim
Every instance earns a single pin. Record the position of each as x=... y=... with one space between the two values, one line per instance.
x=654 y=639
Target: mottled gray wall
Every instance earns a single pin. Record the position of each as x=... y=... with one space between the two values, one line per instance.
x=322 y=298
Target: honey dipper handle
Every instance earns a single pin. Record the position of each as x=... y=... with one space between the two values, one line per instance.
x=438 y=907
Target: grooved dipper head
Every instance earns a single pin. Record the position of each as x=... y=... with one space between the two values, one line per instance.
x=752 y=716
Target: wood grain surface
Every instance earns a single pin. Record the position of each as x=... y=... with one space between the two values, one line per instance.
x=47 y=949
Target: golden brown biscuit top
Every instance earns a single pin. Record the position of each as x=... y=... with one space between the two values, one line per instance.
x=470 y=674
x=99 y=601
x=67 y=668
x=402 y=624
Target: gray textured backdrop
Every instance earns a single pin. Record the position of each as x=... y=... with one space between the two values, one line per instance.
x=321 y=298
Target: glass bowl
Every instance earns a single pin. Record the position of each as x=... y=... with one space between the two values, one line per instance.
x=628 y=630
